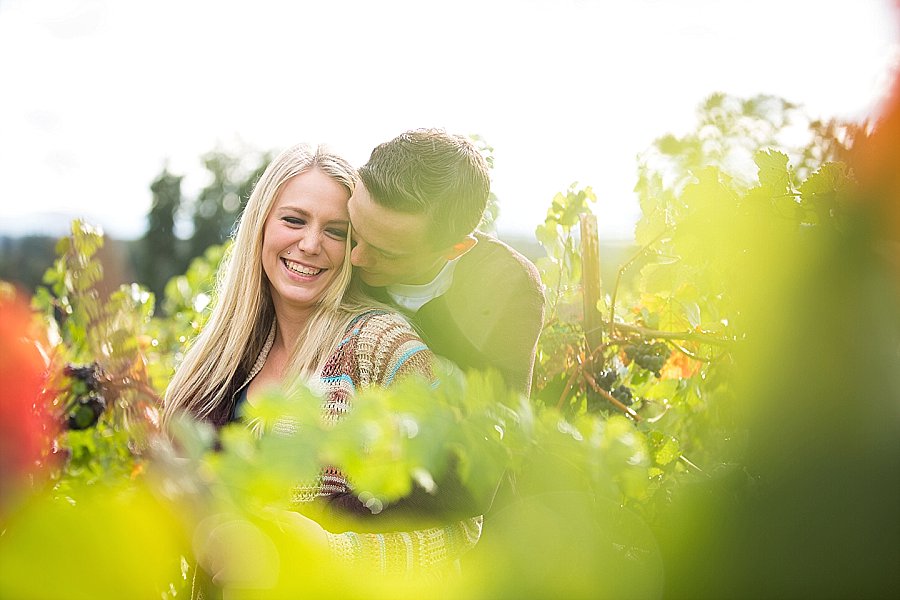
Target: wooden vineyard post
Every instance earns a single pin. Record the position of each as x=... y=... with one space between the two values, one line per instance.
x=590 y=281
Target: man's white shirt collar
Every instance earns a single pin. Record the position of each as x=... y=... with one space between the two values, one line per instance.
x=412 y=297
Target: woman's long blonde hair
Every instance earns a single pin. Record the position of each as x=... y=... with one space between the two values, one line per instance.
x=243 y=313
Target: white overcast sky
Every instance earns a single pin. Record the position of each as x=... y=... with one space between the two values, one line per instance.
x=97 y=95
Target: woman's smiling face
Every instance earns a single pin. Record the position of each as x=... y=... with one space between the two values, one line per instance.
x=304 y=240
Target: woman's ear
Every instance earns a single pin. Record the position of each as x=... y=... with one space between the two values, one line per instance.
x=461 y=247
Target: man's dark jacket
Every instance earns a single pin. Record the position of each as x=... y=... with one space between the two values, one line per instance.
x=491 y=316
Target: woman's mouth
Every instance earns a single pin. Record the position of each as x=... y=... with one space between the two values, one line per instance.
x=304 y=270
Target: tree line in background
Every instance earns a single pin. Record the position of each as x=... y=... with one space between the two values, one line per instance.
x=162 y=253
x=181 y=226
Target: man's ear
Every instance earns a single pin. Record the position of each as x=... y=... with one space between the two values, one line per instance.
x=460 y=248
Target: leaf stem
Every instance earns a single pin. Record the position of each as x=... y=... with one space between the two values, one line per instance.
x=684 y=459
x=673 y=335
x=609 y=397
x=569 y=384
x=621 y=271
x=690 y=354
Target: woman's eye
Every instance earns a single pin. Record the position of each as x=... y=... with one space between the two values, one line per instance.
x=293 y=220
x=338 y=234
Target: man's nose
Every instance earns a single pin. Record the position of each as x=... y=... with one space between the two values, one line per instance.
x=359 y=257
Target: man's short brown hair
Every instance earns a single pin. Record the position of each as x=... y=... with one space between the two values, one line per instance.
x=431 y=172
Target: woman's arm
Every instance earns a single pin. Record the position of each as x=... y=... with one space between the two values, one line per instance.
x=381 y=350
x=403 y=552
x=236 y=552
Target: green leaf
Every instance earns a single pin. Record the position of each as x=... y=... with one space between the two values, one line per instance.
x=650 y=227
x=829 y=178
x=774 y=174
x=664 y=389
x=659 y=278
x=692 y=313
x=665 y=450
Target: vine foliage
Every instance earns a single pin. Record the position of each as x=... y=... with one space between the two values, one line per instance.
x=617 y=427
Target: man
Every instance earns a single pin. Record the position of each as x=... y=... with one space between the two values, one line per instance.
x=475 y=300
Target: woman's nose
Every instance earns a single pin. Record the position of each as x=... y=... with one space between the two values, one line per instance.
x=310 y=243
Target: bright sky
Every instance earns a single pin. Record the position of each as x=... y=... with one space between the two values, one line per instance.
x=96 y=95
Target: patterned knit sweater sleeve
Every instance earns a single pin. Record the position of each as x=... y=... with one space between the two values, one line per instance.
x=388 y=349
x=402 y=552
x=379 y=349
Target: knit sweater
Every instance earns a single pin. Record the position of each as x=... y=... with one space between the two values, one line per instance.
x=378 y=348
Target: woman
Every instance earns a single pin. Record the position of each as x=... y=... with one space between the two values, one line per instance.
x=287 y=307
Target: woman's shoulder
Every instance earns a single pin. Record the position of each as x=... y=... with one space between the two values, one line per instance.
x=386 y=345
x=378 y=322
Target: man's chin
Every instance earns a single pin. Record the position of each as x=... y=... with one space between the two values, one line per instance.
x=372 y=279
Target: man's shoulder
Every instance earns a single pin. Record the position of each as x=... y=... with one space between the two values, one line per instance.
x=498 y=262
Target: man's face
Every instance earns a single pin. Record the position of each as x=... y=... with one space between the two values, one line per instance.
x=391 y=246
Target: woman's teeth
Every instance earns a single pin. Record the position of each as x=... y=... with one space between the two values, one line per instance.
x=298 y=268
